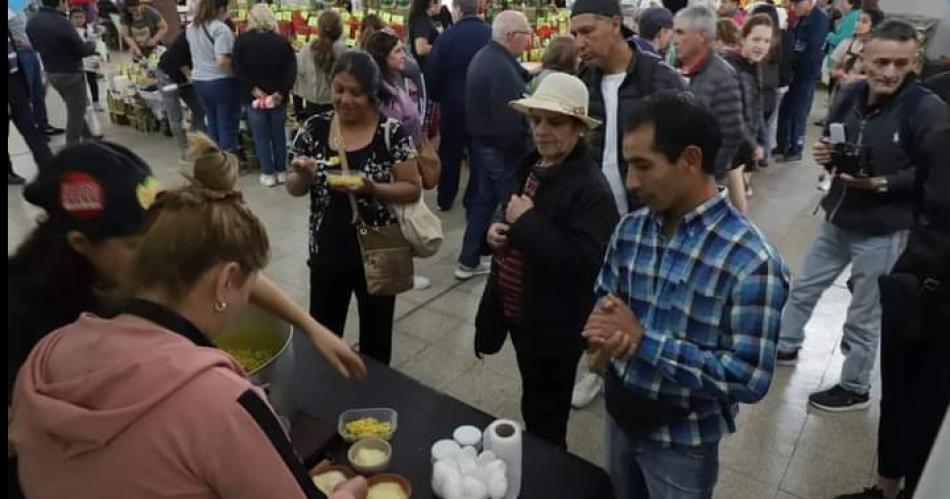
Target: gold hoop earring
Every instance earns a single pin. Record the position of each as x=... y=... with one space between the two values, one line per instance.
x=220 y=306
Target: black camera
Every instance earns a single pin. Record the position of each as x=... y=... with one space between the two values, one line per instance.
x=851 y=159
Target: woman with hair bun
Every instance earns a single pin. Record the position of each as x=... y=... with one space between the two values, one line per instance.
x=101 y=399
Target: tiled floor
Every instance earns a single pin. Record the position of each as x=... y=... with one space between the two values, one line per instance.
x=781 y=449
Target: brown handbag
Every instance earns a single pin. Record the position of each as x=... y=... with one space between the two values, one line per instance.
x=387 y=256
x=430 y=167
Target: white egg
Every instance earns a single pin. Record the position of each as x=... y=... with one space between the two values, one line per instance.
x=497 y=485
x=497 y=466
x=452 y=487
x=474 y=489
x=440 y=471
x=486 y=457
x=467 y=464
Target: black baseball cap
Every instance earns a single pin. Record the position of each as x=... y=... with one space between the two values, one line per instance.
x=101 y=189
x=653 y=20
x=606 y=8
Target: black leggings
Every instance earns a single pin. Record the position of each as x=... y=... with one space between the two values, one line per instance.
x=93 y=81
x=331 y=286
x=547 y=383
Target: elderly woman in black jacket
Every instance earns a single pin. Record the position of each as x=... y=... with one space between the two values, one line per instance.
x=548 y=243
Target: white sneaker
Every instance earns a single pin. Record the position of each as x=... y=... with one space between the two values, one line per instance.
x=281 y=177
x=464 y=272
x=420 y=282
x=586 y=390
x=268 y=180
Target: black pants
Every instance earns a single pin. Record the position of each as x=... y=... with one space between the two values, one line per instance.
x=547 y=383
x=93 y=80
x=452 y=145
x=915 y=394
x=21 y=113
x=331 y=286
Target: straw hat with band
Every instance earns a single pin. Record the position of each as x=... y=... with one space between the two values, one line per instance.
x=560 y=93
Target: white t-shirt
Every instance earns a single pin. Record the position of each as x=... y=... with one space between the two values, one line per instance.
x=610 y=88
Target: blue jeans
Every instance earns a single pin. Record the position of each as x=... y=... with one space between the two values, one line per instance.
x=831 y=252
x=642 y=469
x=31 y=68
x=221 y=102
x=793 y=115
x=491 y=171
x=270 y=139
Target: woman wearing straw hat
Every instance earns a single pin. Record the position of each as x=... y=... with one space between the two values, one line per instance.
x=548 y=243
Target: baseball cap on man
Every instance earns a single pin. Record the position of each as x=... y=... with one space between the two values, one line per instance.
x=606 y=8
x=653 y=20
x=98 y=188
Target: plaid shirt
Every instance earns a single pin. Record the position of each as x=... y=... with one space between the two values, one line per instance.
x=710 y=300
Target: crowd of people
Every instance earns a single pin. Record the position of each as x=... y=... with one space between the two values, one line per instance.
x=606 y=201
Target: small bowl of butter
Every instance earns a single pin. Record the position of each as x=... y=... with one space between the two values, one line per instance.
x=370 y=455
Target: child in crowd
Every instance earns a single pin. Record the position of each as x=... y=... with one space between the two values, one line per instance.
x=91 y=65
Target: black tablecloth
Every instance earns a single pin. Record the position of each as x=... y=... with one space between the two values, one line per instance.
x=424 y=416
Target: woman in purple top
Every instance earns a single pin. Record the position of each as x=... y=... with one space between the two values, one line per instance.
x=396 y=96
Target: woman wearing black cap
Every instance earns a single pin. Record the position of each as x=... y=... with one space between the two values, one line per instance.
x=95 y=196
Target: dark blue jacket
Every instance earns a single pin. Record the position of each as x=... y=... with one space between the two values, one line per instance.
x=810 y=34
x=496 y=78
x=447 y=64
x=57 y=42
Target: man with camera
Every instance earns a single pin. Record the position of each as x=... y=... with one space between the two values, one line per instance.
x=871 y=146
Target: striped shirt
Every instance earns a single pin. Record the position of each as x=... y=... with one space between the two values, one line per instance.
x=510 y=263
x=710 y=300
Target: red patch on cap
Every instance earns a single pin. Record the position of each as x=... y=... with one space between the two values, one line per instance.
x=81 y=195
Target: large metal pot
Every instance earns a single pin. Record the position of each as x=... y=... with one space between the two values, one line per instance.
x=256 y=330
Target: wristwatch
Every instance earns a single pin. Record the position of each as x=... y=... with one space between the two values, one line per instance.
x=882 y=185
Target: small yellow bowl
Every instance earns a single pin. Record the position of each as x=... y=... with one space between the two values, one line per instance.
x=370 y=444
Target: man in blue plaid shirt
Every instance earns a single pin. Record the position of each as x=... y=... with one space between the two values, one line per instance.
x=690 y=299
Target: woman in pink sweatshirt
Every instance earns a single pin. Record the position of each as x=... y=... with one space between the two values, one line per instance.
x=143 y=405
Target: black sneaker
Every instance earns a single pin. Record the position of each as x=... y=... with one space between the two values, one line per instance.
x=786 y=358
x=869 y=493
x=792 y=158
x=838 y=399
x=14 y=179
x=51 y=130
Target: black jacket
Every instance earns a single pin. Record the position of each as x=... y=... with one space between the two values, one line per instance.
x=495 y=78
x=176 y=57
x=57 y=42
x=647 y=74
x=266 y=60
x=890 y=153
x=563 y=239
x=750 y=85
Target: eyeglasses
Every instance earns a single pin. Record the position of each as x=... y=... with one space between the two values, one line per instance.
x=528 y=33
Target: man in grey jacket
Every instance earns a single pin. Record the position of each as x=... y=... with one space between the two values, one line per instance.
x=499 y=133
x=62 y=52
x=710 y=78
x=869 y=210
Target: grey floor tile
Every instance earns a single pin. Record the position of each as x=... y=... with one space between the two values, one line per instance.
x=405 y=347
x=437 y=368
x=732 y=485
x=814 y=475
x=459 y=304
x=427 y=324
x=585 y=436
x=483 y=388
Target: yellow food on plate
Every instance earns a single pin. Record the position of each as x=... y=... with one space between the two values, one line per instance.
x=368 y=427
x=387 y=490
x=328 y=481
x=340 y=180
x=249 y=359
x=369 y=458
